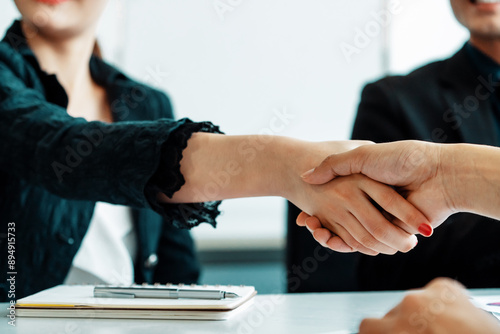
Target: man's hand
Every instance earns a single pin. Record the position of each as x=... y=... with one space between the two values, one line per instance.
x=442 y=307
x=345 y=207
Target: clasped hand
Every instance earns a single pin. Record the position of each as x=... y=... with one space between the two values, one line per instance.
x=343 y=216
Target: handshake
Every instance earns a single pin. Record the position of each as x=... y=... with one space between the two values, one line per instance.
x=365 y=197
x=416 y=185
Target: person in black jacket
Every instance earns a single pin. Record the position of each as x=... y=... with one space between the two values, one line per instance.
x=75 y=131
x=451 y=101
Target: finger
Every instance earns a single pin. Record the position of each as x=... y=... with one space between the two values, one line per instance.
x=395 y=204
x=386 y=214
x=393 y=220
x=322 y=235
x=356 y=223
x=348 y=145
x=313 y=223
x=349 y=239
x=337 y=244
x=330 y=240
x=375 y=222
x=446 y=282
x=374 y=326
x=301 y=219
x=319 y=233
x=335 y=165
x=326 y=238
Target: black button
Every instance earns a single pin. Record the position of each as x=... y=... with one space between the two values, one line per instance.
x=66 y=239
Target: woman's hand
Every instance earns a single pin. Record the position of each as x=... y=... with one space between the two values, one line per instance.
x=351 y=221
x=442 y=307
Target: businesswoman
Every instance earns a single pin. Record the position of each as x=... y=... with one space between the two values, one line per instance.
x=98 y=180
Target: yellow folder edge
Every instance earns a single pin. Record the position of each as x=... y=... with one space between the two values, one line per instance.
x=49 y=305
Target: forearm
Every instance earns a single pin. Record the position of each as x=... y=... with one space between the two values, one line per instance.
x=219 y=167
x=471 y=177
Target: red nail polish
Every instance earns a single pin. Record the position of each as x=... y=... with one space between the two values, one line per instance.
x=425 y=230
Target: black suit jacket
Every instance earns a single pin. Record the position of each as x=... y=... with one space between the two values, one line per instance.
x=446 y=101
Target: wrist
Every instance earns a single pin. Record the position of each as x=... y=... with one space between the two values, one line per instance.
x=477 y=178
x=292 y=157
x=455 y=167
x=297 y=157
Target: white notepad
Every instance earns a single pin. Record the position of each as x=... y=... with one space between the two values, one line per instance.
x=77 y=301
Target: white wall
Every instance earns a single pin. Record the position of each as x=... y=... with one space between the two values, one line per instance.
x=7 y=13
x=310 y=58
x=425 y=31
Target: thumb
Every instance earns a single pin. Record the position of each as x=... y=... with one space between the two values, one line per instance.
x=333 y=166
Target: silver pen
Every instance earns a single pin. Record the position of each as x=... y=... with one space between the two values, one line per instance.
x=159 y=292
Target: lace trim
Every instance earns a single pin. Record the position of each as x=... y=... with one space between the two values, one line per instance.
x=168 y=179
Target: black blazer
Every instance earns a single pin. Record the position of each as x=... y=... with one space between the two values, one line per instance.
x=446 y=101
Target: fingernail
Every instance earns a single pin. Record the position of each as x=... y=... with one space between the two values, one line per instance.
x=309 y=172
x=425 y=230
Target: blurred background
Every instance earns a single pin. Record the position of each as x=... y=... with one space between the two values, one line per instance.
x=243 y=64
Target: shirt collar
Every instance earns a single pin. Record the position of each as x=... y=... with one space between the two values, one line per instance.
x=483 y=63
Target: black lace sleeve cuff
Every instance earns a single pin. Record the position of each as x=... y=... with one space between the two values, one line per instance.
x=168 y=179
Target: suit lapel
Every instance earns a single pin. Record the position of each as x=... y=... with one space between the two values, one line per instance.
x=467 y=97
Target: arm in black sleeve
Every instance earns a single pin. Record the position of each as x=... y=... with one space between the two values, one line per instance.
x=72 y=158
x=379 y=114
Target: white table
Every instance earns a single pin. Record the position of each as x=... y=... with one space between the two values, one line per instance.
x=326 y=313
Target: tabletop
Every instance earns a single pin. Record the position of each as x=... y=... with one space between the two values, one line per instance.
x=312 y=313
